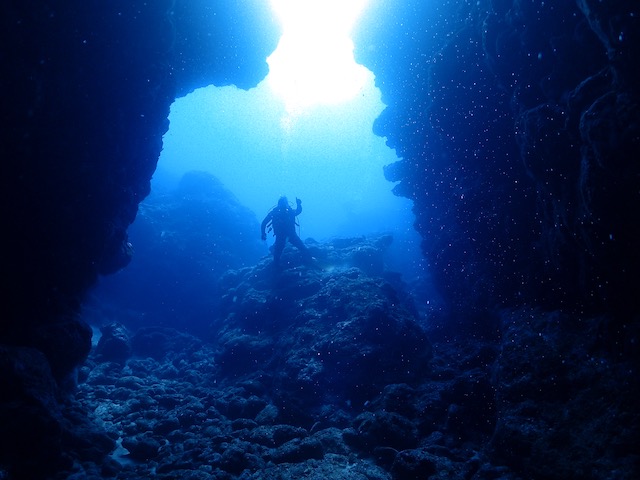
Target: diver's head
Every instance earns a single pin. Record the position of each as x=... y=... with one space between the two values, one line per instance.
x=283 y=202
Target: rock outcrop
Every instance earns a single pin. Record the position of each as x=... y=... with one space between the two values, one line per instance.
x=88 y=86
x=322 y=332
x=516 y=124
x=324 y=371
x=290 y=379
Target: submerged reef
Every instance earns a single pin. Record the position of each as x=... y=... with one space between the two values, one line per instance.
x=325 y=371
x=88 y=88
x=292 y=359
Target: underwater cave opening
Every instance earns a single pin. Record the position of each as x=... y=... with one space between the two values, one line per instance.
x=305 y=131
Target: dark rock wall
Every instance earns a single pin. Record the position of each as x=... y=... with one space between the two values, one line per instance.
x=89 y=105
x=564 y=408
x=221 y=43
x=87 y=87
x=517 y=127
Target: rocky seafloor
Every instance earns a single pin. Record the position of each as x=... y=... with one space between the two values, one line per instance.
x=326 y=371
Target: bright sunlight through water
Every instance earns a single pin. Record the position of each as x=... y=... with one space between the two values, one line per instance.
x=314 y=62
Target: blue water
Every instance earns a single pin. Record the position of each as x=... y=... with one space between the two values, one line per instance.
x=247 y=151
x=328 y=157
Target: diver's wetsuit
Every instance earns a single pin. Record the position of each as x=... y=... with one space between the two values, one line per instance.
x=283 y=220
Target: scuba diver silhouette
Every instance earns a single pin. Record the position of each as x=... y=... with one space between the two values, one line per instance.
x=282 y=218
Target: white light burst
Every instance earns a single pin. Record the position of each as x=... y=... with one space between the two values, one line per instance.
x=313 y=63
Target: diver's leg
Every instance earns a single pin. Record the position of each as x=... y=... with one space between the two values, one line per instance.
x=295 y=241
x=278 y=247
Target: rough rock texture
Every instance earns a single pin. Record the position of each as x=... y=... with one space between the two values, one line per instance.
x=301 y=378
x=322 y=371
x=87 y=88
x=475 y=411
x=91 y=85
x=566 y=408
x=114 y=344
x=29 y=404
x=220 y=43
x=518 y=128
x=319 y=335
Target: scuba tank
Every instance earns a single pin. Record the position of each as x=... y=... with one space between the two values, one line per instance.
x=269 y=226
